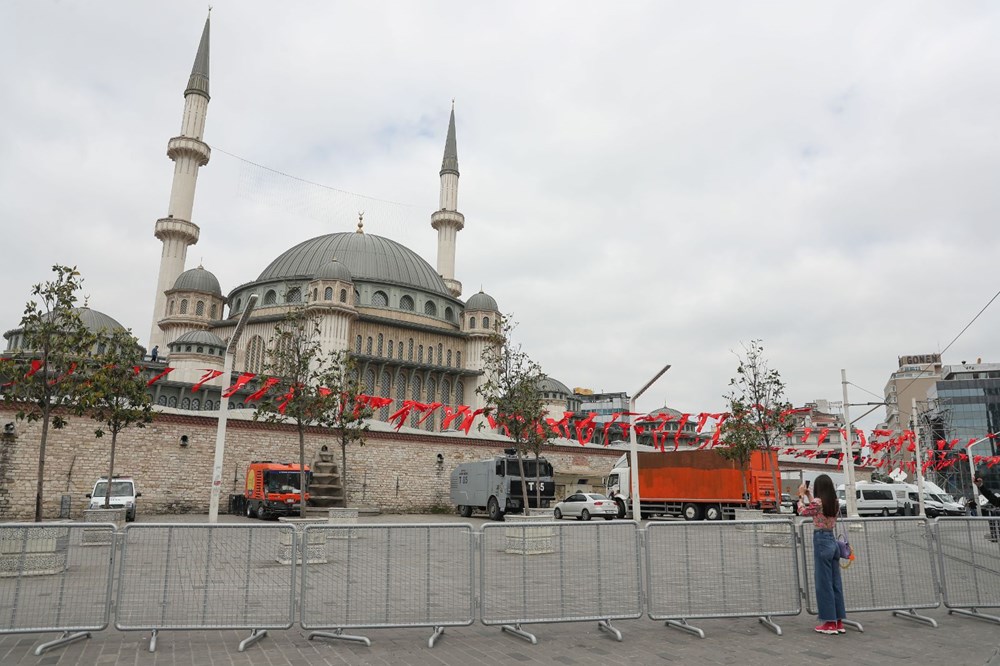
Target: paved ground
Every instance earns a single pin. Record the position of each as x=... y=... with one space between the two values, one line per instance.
x=886 y=640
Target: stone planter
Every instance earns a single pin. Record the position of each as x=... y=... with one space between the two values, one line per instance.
x=529 y=535
x=33 y=551
x=339 y=516
x=96 y=537
x=315 y=550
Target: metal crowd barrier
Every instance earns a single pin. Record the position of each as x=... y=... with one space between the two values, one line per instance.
x=721 y=569
x=56 y=577
x=207 y=577
x=893 y=567
x=387 y=576
x=559 y=572
x=969 y=559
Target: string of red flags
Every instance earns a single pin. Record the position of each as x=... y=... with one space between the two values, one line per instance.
x=166 y=371
x=205 y=378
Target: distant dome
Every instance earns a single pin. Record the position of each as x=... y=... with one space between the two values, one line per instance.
x=198 y=279
x=549 y=385
x=199 y=338
x=482 y=301
x=333 y=270
x=666 y=411
x=366 y=257
x=97 y=321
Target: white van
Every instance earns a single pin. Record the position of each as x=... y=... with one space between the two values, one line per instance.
x=123 y=495
x=873 y=499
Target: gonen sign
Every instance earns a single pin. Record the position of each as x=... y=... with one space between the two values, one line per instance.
x=919 y=359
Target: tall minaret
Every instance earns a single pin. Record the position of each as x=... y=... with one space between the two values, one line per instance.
x=188 y=152
x=447 y=220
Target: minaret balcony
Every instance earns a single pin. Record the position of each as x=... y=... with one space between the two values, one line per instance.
x=454 y=286
x=172 y=227
x=449 y=218
x=183 y=146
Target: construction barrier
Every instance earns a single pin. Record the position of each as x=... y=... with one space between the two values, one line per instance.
x=893 y=567
x=56 y=577
x=387 y=576
x=721 y=569
x=206 y=577
x=969 y=560
x=533 y=572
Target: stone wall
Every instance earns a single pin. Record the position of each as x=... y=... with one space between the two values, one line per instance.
x=397 y=472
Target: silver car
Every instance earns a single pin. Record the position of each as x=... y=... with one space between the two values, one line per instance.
x=584 y=505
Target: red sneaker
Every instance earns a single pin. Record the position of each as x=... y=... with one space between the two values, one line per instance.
x=840 y=627
x=827 y=628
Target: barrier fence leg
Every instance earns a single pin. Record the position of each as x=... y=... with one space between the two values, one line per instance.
x=605 y=625
x=683 y=625
x=254 y=636
x=974 y=613
x=913 y=615
x=62 y=640
x=770 y=624
x=519 y=632
x=338 y=634
x=437 y=633
x=152 y=641
x=856 y=625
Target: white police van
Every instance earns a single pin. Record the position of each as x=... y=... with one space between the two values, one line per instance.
x=123 y=495
x=872 y=499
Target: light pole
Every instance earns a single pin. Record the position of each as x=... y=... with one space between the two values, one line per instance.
x=915 y=420
x=220 y=433
x=634 y=446
x=972 y=474
x=848 y=450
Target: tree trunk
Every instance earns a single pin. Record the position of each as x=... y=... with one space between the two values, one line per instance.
x=343 y=465
x=775 y=479
x=524 y=485
x=302 y=470
x=111 y=470
x=41 y=463
x=743 y=477
x=538 y=477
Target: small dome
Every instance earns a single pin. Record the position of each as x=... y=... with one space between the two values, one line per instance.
x=97 y=321
x=198 y=279
x=666 y=411
x=199 y=338
x=548 y=384
x=482 y=301
x=333 y=270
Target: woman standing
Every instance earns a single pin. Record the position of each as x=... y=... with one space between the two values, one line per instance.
x=824 y=509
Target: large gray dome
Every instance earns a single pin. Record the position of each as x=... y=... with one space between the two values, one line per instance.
x=366 y=256
x=97 y=321
x=550 y=385
x=482 y=301
x=198 y=279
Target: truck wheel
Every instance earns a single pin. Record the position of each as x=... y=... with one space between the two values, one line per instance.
x=621 y=508
x=713 y=512
x=261 y=513
x=493 y=509
x=465 y=511
x=249 y=510
x=691 y=512
x=557 y=514
x=585 y=514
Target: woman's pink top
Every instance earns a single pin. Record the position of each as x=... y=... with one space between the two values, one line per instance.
x=815 y=509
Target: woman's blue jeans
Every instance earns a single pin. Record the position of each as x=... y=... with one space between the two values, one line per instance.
x=829 y=588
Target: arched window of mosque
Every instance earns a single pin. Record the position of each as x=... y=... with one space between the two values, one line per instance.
x=431 y=390
x=209 y=405
x=415 y=387
x=368 y=346
x=186 y=403
x=239 y=306
x=343 y=295
x=101 y=348
x=357 y=297
x=215 y=311
x=446 y=391
x=401 y=388
x=294 y=295
x=201 y=350
x=486 y=322
x=170 y=308
x=270 y=298
x=472 y=322
x=378 y=349
x=390 y=348
x=380 y=300
x=400 y=349
x=420 y=354
x=449 y=358
x=430 y=354
x=385 y=387
x=255 y=354
x=184 y=306
x=409 y=353
x=449 y=314
x=172 y=401
x=459 y=393
x=440 y=350
x=316 y=294
x=370 y=381
x=199 y=308
x=196 y=404
x=187 y=348
x=430 y=309
x=328 y=294
x=458 y=359
x=406 y=303
x=162 y=401
x=357 y=345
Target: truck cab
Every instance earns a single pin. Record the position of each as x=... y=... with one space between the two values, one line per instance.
x=272 y=489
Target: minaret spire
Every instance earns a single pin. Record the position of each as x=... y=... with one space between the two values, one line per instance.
x=189 y=152
x=447 y=220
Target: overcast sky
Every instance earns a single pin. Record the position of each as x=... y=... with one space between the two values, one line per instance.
x=642 y=183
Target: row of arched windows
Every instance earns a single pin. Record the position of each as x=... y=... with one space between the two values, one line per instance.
x=486 y=322
x=194 y=404
x=199 y=308
x=375 y=347
x=381 y=300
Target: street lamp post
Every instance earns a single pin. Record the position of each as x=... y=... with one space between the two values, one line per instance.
x=220 y=433
x=850 y=494
x=634 y=446
x=972 y=473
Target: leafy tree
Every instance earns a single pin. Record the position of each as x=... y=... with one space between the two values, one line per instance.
x=116 y=395
x=756 y=404
x=512 y=395
x=317 y=388
x=42 y=377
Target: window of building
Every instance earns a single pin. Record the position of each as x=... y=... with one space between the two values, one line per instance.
x=187 y=348
x=416 y=387
x=255 y=354
x=400 y=388
x=406 y=303
x=315 y=294
x=239 y=306
x=368 y=346
x=370 y=381
x=472 y=322
x=343 y=295
x=378 y=349
x=170 y=308
x=357 y=297
x=459 y=393
x=184 y=306
x=294 y=295
x=486 y=322
x=409 y=351
x=186 y=403
x=380 y=300
x=430 y=354
x=172 y=401
x=431 y=394
x=430 y=309
x=440 y=357
x=446 y=391
x=385 y=388
x=271 y=297
x=201 y=350
x=209 y=405
x=199 y=308
x=162 y=401
x=449 y=314
x=391 y=344
x=458 y=359
x=357 y=345
x=449 y=358
x=215 y=310
x=196 y=404
x=420 y=354
x=328 y=294
x=400 y=348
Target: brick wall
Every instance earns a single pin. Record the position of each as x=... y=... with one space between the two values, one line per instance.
x=395 y=471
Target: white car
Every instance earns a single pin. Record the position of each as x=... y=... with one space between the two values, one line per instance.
x=583 y=506
x=123 y=495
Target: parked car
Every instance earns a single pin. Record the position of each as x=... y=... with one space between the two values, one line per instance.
x=584 y=505
x=787 y=503
x=123 y=495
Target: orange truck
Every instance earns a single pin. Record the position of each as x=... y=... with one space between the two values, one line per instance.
x=695 y=485
x=272 y=489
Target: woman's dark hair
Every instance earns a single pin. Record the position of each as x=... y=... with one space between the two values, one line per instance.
x=824 y=490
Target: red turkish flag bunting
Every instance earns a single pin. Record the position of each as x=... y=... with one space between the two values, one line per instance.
x=262 y=391
x=160 y=376
x=207 y=377
x=243 y=380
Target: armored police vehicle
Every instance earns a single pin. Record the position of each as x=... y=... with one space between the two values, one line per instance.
x=494 y=485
